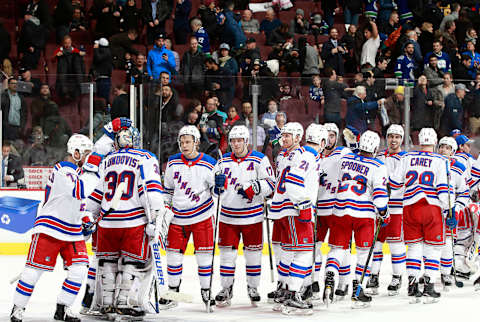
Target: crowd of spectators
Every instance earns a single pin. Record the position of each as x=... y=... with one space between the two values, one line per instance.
x=198 y=59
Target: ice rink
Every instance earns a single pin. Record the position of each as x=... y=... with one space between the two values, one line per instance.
x=453 y=306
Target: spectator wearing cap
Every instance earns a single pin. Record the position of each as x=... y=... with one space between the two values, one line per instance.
x=269 y=24
x=227 y=61
x=208 y=17
x=160 y=59
x=192 y=69
x=25 y=75
x=102 y=67
x=249 y=25
x=232 y=31
x=219 y=80
x=318 y=26
x=453 y=114
x=121 y=45
x=333 y=53
x=405 y=67
x=155 y=14
x=14 y=112
x=394 y=105
x=299 y=25
x=181 y=26
x=201 y=35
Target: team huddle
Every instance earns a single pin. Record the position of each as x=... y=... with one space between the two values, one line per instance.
x=113 y=193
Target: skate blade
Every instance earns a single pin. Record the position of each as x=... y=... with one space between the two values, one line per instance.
x=223 y=304
x=270 y=301
x=254 y=303
x=278 y=307
x=477 y=287
x=372 y=291
x=120 y=318
x=288 y=310
x=326 y=298
x=316 y=300
x=168 y=306
x=177 y=297
x=415 y=300
x=429 y=300
x=210 y=309
x=91 y=313
x=393 y=293
x=360 y=305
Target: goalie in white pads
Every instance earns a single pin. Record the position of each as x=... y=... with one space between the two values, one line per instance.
x=361 y=197
x=423 y=176
x=58 y=230
x=189 y=177
x=250 y=180
x=393 y=232
x=292 y=207
x=123 y=233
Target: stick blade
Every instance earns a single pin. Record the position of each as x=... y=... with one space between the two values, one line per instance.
x=121 y=189
x=178 y=297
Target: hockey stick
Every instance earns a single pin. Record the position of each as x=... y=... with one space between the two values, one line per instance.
x=270 y=258
x=370 y=252
x=315 y=223
x=215 y=235
x=119 y=191
x=157 y=258
x=450 y=215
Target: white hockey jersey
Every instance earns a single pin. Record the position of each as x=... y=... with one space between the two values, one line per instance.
x=328 y=191
x=297 y=181
x=423 y=175
x=237 y=210
x=187 y=188
x=392 y=161
x=460 y=184
x=61 y=213
x=363 y=187
x=126 y=165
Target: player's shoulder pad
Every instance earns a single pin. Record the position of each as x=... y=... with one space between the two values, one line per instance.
x=402 y=153
x=459 y=165
x=257 y=154
x=65 y=165
x=145 y=153
x=174 y=157
x=309 y=150
x=209 y=159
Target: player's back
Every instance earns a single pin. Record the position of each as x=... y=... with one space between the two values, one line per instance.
x=392 y=162
x=60 y=215
x=423 y=175
x=126 y=166
x=362 y=188
x=328 y=191
x=187 y=184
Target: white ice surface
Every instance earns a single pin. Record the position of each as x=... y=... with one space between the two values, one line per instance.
x=456 y=305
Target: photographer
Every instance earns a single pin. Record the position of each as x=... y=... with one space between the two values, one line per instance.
x=333 y=53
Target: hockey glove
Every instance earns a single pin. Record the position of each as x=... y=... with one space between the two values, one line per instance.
x=251 y=191
x=116 y=125
x=220 y=181
x=92 y=162
x=322 y=176
x=384 y=217
x=305 y=211
x=451 y=221
x=88 y=228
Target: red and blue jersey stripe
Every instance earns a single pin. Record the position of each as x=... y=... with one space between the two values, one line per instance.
x=193 y=212
x=242 y=212
x=58 y=225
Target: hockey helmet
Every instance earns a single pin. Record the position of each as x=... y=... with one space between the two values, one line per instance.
x=295 y=129
x=332 y=127
x=127 y=138
x=369 y=142
x=316 y=133
x=239 y=132
x=448 y=140
x=396 y=129
x=189 y=130
x=427 y=136
x=80 y=143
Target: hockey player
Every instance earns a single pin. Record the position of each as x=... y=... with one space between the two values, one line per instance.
x=122 y=245
x=393 y=233
x=58 y=230
x=106 y=143
x=292 y=206
x=325 y=202
x=447 y=147
x=361 y=193
x=250 y=179
x=423 y=176
x=188 y=178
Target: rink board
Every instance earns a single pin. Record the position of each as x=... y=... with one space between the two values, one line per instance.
x=17 y=244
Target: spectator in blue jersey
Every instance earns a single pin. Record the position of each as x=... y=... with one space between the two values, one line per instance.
x=444 y=63
x=453 y=114
x=357 y=109
x=475 y=63
x=232 y=31
x=269 y=24
x=201 y=35
x=405 y=67
x=371 y=9
x=316 y=92
x=274 y=135
x=160 y=59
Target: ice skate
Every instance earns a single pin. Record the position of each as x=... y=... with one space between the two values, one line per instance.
x=224 y=297
x=17 y=314
x=253 y=295
x=295 y=305
x=341 y=292
x=306 y=292
x=315 y=299
x=395 y=285
x=129 y=314
x=429 y=293
x=63 y=313
x=271 y=296
x=447 y=282
x=279 y=300
x=476 y=284
x=359 y=299
x=164 y=304
x=372 y=285
x=413 y=291
x=329 y=288
x=206 y=297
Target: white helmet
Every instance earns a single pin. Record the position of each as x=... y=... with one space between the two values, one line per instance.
x=127 y=138
x=369 y=142
x=448 y=140
x=295 y=129
x=239 y=132
x=396 y=129
x=332 y=127
x=80 y=143
x=316 y=133
x=427 y=136
x=189 y=130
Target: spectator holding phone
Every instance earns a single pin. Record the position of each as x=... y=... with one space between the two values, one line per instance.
x=160 y=59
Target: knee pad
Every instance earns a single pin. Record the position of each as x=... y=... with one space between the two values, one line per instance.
x=204 y=259
x=77 y=273
x=228 y=255
x=30 y=275
x=253 y=257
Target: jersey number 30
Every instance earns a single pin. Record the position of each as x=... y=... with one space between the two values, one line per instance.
x=113 y=179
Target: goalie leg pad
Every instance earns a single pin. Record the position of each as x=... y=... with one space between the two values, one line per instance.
x=108 y=270
x=134 y=285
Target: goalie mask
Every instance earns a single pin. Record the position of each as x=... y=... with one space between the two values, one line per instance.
x=127 y=138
